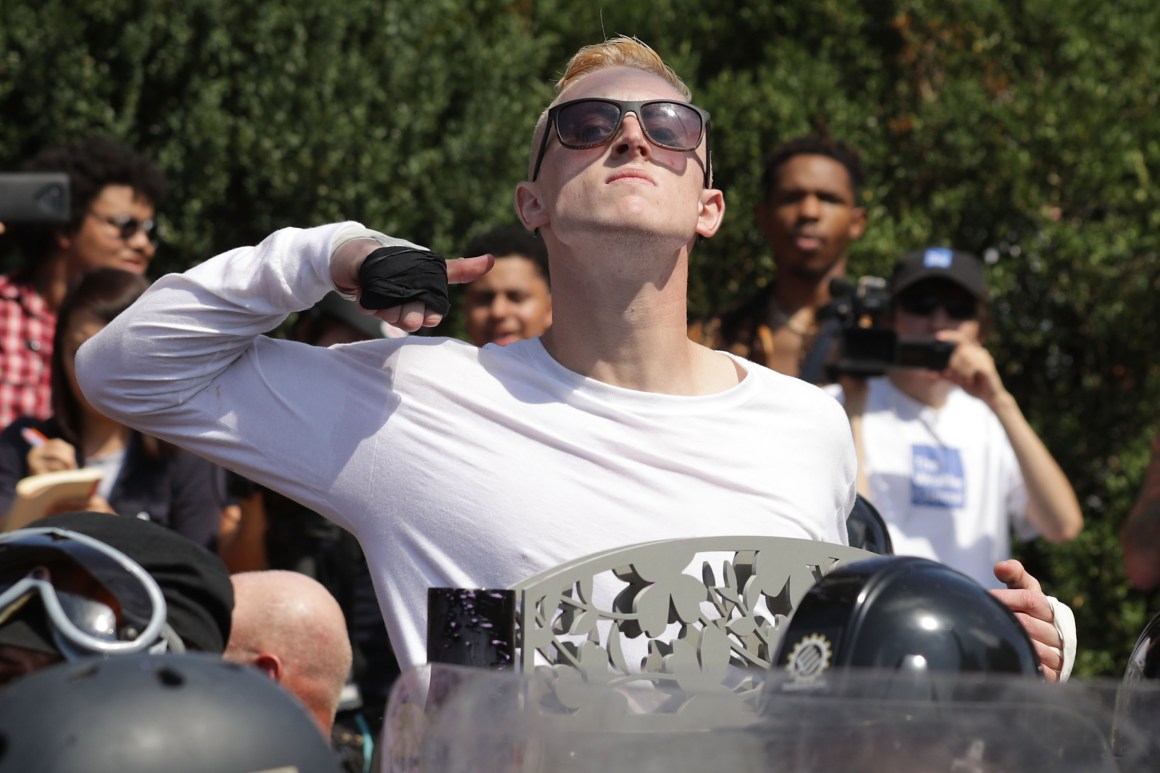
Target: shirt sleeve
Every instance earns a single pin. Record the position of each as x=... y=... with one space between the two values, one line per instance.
x=189 y=363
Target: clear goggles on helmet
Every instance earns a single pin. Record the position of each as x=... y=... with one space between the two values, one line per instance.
x=594 y=121
x=97 y=600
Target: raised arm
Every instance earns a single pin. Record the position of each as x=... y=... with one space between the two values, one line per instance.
x=1052 y=505
x=187 y=329
x=188 y=362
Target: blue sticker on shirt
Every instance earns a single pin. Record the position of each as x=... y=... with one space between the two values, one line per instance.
x=937 y=477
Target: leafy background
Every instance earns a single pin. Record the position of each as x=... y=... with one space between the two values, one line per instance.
x=1025 y=131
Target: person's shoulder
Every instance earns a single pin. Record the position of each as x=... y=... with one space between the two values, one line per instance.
x=24 y=305
x=789 y=387
x=14 y=286
x=391 y=346
x=414 y=352
x=426 y=345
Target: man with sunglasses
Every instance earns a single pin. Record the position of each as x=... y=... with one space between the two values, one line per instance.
x=114 y=191
x=947 y=457
x=458 y=466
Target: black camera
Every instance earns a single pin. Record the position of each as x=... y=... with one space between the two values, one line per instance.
x=867 y=345
x=35 y=197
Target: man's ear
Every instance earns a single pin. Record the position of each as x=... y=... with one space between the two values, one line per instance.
x=270 y=665
x=530 y=206
x=62 y=239
x=711 y=211
x=857 y=222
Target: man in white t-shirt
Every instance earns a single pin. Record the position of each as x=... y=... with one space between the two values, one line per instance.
x=947 y=457
x=479 y=467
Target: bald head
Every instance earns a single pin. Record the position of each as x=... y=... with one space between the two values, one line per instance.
x=291 y=627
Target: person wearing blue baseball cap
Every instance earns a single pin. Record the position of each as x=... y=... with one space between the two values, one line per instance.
x=946 y=455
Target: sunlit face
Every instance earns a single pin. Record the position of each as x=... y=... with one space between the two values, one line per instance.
x=508 y=303
x=810 y=216
x=936 y=305
x=626 y=186
x=98 y=241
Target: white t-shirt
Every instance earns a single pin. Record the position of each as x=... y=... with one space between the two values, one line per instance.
x=457 y=466
x=945 y=480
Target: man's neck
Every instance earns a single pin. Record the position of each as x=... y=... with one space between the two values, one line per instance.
x=51 y=280
x=632 y=332
x=102 y=435
x=793 y=291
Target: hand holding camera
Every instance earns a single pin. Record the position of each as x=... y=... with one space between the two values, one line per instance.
x=867 y=344
x=34 y=197
x=972 y=368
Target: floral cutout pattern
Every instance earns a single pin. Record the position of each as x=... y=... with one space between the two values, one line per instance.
x=691 y=617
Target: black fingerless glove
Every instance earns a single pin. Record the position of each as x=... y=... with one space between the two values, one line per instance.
x=392 y=276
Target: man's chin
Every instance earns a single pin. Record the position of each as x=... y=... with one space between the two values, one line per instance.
x=813 y=270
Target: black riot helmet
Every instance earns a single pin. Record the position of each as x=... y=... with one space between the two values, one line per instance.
x=902 y=613
x=142 y=713
x=915 y=666
x=866 y=528
x=1144 y=663
x=1137 y=713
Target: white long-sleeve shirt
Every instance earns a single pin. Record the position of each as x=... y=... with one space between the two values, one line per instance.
x=452 y=465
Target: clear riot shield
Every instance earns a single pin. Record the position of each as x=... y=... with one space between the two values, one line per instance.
x=453 y=720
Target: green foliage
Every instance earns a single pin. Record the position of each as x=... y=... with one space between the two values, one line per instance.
x=1027 y=132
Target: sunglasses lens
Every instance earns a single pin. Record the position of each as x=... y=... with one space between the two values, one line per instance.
x=918 y=305
x=672 y=125
x=961 y=310
x=587 y=124
x=131 y=226
x=924 y=305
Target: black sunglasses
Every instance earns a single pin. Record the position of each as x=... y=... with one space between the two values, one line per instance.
x=923 y=305
x=128 y=227
x=594 y=121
